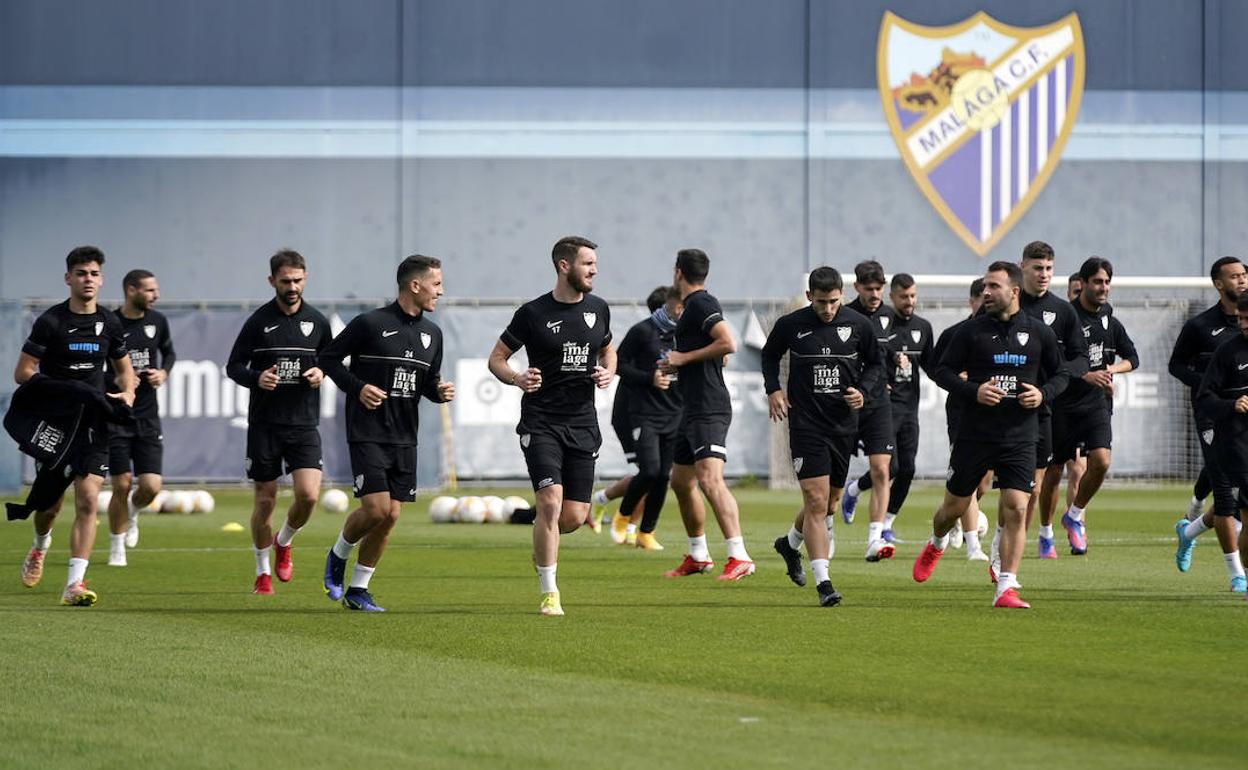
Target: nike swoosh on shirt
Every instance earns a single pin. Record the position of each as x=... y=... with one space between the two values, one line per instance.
x=1216 y=332
x=268 y=329
x=804 y=334
x=1243 y=367
x=390 y=334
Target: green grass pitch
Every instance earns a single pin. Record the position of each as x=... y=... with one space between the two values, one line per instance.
x=1123 y=662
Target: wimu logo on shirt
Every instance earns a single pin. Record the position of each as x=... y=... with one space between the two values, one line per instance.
x=85 y=347
x=1010 y=359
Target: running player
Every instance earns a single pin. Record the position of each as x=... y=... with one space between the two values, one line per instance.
x=396 y=357
x=1082 y=414
x=702 y=341
x=275 y=356
x=834 y=358
x=137 y=450
x=1195 y=345
x=1013 y=364
x=71 y=342
x=1075 y=467
x=968 y=525
x=567 y=333
x=653 y=413
x=875 y=423
x=1057 y=314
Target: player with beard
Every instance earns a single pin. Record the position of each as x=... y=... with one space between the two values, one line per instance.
x=702 y=341
x=968 y=526
x=908 y=349
x=72 y=341
x=567 y=333
x=136 y=450
x=1082 y=414
x=1223 y=398
x=1013 y=364
x=1056 y=313
x=396 y=357
x=652 y=400
x=834 y=358
x=875 y=422
x=1075 y=467
x=1193 y=349
x=275 y=356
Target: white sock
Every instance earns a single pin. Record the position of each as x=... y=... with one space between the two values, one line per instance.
x=795 y=538
x=77 y=571
x=972 y=541
x=698 y=548
x=630 y=529
x=1046 y=531
x=117 y=543
x=131 y=510
x=996 y=543
x=851 y=488
x=546 y=578
x=262 y=561
x=42 y=542
x=1075 y=512
x=1195 y=528
x=360 y=576
x=1193 y=508
x=286 y=534
x=820 y=568
x=342 y=549
x=1006 y=580
x=889 y=518
x=736 y=548
x=1234 y=567
x=1239 y=527
x=600 y=497
x=940 y=542
x=875 y=530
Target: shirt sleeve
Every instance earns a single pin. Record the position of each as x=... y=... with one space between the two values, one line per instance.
x=167 y=355
x=1209 y=400
x=1124 y=346
x=116 y=339
x=330 y=358
x=628 y=358
x=773 y=351
x=1054 y=368
x=713 y=313
x=1075 y=346
x=518 y=332
x=435 y=374
x=928 y=355
x=41 y=336
x=873 y=366
x=238 y=368
x=953 y=363
x=606 y=315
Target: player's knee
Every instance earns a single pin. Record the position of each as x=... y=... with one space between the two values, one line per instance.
x=148 y=489
x=305 y=498
x=122 y=484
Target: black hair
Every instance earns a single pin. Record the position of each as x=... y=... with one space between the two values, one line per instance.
x=825 y=279
x=568 y=247
x=1215 y=272
x=83 y=255
x=286 y=258
x=693 y=264
x=1037 y=250
x=869 y=271
x=901 y=282
x=136 y=277
x=1092 y=265
x=1012 y=270
x=416 y=264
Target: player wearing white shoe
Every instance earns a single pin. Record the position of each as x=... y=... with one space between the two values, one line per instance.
x=137 y=450
x=702 y=342
x=71 y=342
x=567 y=334
x=275 y=357
x=1013 y=365
x=834 y=360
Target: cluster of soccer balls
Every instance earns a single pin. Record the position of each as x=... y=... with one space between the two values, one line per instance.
x=170 y=501
x=474 y=510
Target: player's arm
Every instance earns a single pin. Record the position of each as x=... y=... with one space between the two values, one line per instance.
x=874 y=364
x=330 y=358
x=125 y=378
x=435 y=389
x=1209 y=400
x=1180 y=366
x=512 y=339
x=721 y=345
x=604 y=372
x=1055 y=370
x=773 y=351
x=41 y=336
x=238 y=365
x=632 y=350
x=168 y=357
x=27 y=366
x=1076 y=347
x=1124 y=346
x=927 y=355
x=953 y=362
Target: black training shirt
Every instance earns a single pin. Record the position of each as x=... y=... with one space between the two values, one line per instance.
x=292 y=343
x=638 y=358
x=910 y=337
x=75 y=346
x=150 y=347
x=884 y=321
x=1107 y=341
x=702 y=382
x=1224 y=381
x=1198 y=338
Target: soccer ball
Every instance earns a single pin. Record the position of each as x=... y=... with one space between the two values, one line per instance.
x=335 y=501
x=157 y=504
x=495 y=509
x=202 y=501
x=512 y=503
x=178 y=501
x=472 y=510
x=982 y=525
x=442 y=509
x=101 y=502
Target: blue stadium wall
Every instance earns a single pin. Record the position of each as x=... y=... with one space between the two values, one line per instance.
x=195 y=138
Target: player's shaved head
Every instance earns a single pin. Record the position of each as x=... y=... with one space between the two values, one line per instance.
x=415 y=266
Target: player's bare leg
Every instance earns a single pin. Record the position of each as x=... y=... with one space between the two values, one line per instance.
x=815 y=495
x=82 y=539
x=306 y=486
x=262 y=533
x=693 y=516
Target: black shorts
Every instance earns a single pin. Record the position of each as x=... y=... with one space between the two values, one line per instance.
x=269 y=445
x=820 y=453
x=627 y=433
x=702 y=436
x=1013 y=466
x=561 y=454
x=92 y=456
x=140 y=454
x=1044 y=439
x=655 y=447
x=383 y=468
x=1080 y=432
x=1204 y=434
x=875 y=430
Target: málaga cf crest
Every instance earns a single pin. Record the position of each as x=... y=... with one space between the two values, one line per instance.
x=980 y=112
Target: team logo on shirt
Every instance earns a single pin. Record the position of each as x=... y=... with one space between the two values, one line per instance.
x=1049 y=317
x=884 y=322
x=1105 y=322
x=1022 y=337
x=99 y=327
x=1096 y=355
x=1207 y=436
x=590 y=319
x=425 y=339
x=150 y=331
x=843 y=332
x=797 y=464
x=916 y=335
x=306 y=327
